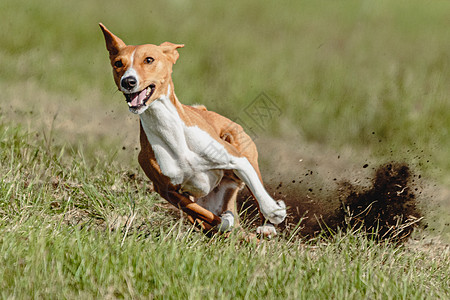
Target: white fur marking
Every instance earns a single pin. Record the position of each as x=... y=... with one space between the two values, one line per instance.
x=130 y=72
x=227 y=222
x=179 y=149
x=267 y=231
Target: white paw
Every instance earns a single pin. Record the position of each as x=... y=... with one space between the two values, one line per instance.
x=277 y=214
x=227 y=221
x=267 y=231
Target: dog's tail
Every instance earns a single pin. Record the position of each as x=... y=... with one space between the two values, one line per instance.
x=200 y=107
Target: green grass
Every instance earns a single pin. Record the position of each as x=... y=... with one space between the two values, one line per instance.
x=77 y=218
x=70 y=231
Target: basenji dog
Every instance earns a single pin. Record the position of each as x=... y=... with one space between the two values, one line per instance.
x=197 y=159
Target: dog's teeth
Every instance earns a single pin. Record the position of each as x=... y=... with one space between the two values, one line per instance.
x=129 y=104
x=148 y=92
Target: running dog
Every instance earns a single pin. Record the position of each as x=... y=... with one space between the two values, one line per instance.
x=197 y=159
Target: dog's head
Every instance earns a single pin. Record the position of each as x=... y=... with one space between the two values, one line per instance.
x=142 y=73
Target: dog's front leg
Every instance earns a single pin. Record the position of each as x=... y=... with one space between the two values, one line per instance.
x=274 y=211
x=208 y=221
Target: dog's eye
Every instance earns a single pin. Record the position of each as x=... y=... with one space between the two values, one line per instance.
x=149 y=60
x=118 y=64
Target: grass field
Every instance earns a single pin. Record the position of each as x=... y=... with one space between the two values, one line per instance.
x=358 y=80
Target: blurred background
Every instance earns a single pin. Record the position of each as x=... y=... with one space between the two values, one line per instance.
x=348 y=83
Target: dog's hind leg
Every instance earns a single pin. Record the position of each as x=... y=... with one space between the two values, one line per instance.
x=222 y=201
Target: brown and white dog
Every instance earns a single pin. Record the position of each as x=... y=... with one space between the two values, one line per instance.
x=197 y=159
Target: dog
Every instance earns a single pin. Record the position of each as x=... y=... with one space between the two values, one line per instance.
x=197 y=159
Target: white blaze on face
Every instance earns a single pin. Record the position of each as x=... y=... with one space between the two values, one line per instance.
x=130 y=72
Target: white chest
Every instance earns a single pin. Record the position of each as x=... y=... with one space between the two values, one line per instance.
x=189 y=156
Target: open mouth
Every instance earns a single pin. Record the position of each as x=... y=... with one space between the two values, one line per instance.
x=139 y=99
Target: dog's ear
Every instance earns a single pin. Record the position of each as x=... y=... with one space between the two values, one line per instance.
x=170 y=50
x=113 y=43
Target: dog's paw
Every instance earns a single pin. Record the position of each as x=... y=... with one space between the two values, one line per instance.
x=278 y=213
x=227 y=222
x=266 y=231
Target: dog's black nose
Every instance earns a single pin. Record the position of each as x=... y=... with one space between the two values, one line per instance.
x=128 y=83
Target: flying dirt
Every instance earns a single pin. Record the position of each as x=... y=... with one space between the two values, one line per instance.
x=326 y=191
x=387 y=208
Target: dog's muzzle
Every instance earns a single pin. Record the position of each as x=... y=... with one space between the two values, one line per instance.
x=137 y=100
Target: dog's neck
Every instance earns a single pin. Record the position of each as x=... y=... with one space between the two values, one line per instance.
x=170 y=94
x=162 y=122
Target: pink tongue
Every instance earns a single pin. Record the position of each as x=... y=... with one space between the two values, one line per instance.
x=138 y=99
